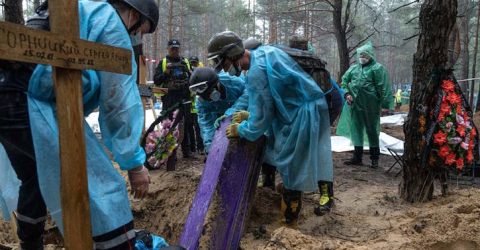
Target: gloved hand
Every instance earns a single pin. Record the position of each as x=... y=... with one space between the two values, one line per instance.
x=218 y=121
x=232 y=130
x=240 y=116
x=139 y=180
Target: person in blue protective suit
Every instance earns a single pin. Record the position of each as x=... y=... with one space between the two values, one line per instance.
x=367 y=90
x=216 y=96
x=285 y=101
x=34 y=150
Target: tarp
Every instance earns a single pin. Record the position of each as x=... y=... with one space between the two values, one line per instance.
x=92 y=119
x=343 y=144
x=393 y=120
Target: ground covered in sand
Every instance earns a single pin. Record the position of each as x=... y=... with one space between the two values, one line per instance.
x=368 y=214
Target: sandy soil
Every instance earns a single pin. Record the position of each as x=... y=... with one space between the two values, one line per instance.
x=368 y=213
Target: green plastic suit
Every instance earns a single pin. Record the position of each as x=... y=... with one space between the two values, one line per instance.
x=370 y=88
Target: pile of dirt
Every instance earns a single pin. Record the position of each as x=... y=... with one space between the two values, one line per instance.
x=368 y=213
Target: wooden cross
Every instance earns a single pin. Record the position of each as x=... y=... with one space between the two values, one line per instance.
x=68 y=54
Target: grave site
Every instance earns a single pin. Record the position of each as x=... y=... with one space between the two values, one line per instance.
x=417 y=189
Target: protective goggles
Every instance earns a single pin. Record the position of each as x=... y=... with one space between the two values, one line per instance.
x=216 y=62
x=199 y=88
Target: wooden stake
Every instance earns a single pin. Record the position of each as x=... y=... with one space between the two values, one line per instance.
x=68 y=91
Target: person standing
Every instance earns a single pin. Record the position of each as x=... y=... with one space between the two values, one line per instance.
x=173 y=73
x=367 y=90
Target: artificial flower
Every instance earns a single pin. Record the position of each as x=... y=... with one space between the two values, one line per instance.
x=454 y=98
x=450 y=159
x=448 y=85
x=444 y=151
x=461 y=130
x=454 y=140
x=460 y=163
x=440 y=138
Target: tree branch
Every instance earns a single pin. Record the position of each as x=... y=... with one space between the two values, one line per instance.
x=361 y=41
x=312 y=2
x=295 y=11
x=411 y=20
x=402 y=6
x=408 y=38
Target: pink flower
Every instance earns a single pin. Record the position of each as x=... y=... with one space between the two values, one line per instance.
x=460 y=119
x=164 y=133
x=449 y=124
x=454 y=140
x=167 y=124
x=464 y=145
x=150 y=147
x=176 y=133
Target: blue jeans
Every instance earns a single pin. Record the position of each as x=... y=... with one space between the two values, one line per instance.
x=16 y=137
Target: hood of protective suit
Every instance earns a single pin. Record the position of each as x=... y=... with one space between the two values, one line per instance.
x=367 y=49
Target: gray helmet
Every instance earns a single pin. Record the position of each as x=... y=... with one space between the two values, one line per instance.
x=148 y=9
x=202 y=81
x=251 y=43
x=224 y=45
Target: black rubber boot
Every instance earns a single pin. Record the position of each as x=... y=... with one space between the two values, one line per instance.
x=31 y=235
x=268 y=176
x=326 y=202
x=356 y=158
x=291 y=205
x=374 y=156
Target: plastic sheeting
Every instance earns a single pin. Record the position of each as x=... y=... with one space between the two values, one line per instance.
x=9 y=185
x=393 y=120
x=343 y=144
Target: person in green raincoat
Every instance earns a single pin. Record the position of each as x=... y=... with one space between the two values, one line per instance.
x=367 y=91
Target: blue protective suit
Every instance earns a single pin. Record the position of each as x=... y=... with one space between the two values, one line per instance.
x=208 y=111
x=287 y=102
x=121 y=121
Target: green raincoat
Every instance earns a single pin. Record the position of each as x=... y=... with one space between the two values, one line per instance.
x=370 y=88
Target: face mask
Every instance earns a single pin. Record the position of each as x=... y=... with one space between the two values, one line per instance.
x=136 y=39
x=215 y=95
x=363 y=61
x=234 y=70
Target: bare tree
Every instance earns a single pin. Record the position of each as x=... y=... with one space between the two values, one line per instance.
x=437 y=19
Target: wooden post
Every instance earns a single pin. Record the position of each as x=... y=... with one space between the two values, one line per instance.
x=234 y=165
x=68 y=92
x=63 y=49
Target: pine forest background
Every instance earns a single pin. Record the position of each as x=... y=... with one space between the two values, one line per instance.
x=334 y=27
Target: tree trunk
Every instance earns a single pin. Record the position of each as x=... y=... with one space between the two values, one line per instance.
x=13 y=11
x=182 y=22
x=341 y=37
x=272 y=22
x=170 y=19
x=437 y=18
x=475 y=52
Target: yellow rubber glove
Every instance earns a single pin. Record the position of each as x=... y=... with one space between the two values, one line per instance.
x=240 y=116
x=232 y=130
